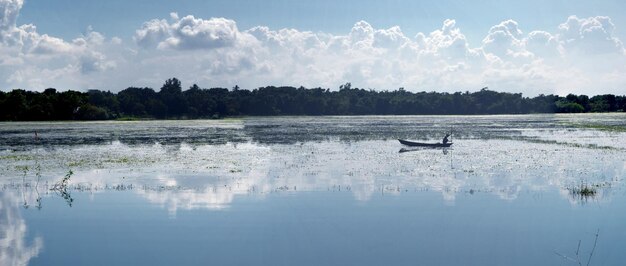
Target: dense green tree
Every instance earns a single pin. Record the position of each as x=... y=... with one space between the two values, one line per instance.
x=14 y=106
x=105 y=100
x=91 y=112
x=171 y=95
x=133 y=102
x=172 y=102
x=565 y=106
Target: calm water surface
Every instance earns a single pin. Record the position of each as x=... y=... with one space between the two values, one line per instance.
x=315 y=191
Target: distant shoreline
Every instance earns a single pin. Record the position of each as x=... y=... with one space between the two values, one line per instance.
x=171 y=102
x=140 y=119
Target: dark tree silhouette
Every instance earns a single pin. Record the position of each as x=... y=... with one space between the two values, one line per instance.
x=172 y=102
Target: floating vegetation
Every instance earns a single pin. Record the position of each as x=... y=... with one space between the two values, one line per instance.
x=22 y=168
x=494 y=153
x=573 y=145
x=78 y=163
x=602 y=127
x=122 y=160
x=17 y=157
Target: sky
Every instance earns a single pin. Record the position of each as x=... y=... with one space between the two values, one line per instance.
x=531 y=47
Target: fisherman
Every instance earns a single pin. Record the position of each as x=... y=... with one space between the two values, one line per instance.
x=445 y=139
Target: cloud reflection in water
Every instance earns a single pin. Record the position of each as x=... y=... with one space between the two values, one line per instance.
x=14 y=247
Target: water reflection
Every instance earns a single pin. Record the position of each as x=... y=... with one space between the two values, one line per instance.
x=174 y=199
x=185 y=176
x=584 y=193
x=297 y=185
x=444 y=150
x=14 y=247
x=207 y=164
x=292 y=130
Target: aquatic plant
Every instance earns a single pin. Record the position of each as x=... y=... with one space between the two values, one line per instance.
x=38 y=174
x=61 y=188
x=585 y=190
x=577 y=258
x=25 y=205
x=64 y=181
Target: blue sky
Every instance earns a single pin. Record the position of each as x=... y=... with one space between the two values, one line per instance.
x=69 y=18
x=520 y=46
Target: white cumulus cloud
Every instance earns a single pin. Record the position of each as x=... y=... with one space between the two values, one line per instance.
x=580 y=55
x=188 y=33
x=593 y=35
x=10 y=10
x=32 y=60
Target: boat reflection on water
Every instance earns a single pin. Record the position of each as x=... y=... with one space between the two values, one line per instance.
x=445 y=150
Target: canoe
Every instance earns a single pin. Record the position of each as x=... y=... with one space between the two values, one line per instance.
x=422 y=144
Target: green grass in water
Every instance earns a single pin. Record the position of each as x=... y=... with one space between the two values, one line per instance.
x=610 y=128
x=17 y=157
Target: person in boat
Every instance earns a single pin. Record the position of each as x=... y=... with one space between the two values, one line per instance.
x=445 y=139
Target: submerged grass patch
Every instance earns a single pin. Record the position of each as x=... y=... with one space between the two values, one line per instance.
x=132 y=118
x=123 y=160
x=17 y=157
x=567 y=144
x=22 y=168
x=609 y=128
x=78 y=163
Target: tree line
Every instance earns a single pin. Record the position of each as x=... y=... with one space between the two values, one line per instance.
x=172 y=102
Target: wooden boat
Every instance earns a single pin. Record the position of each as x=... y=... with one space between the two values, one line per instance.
x=422 y=144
